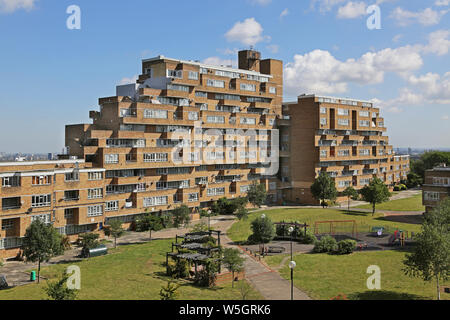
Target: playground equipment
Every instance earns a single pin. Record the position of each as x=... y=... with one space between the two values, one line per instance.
x=336 y=227
x=399 y=237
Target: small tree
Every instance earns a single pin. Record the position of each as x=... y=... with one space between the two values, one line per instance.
x=242 y=213
x=89 y=240
x=374 y=193
x=169 y=292
x=244 y=289
x=324 y=188
x=59 y=290
x=41 y=243
x=350 y=193
x=234 y=262
x=431 y=256
x=149 y=223
x=263 y=230
x=181 y=215
x=257 y=194
x=114 y=230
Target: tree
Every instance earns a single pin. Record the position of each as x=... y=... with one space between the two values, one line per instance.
x=233 y=261
x=169 y=292
x=59 y=290
x=257 y=194
x=41 y=243
x=149 y=222
x=414 y=180
x=244 y=289
x=242 y=213
x=181 y=215
x=374 y=193
x=89 y=240
x=350 y=193
x=429 y=160
x=324 y=188
x=263 y=230
x=114 y=230
x=431 y=256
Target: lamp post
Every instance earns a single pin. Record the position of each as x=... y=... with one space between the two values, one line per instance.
x=209 y=219
x=263 y=216
x=291 y=232
x=292 y=265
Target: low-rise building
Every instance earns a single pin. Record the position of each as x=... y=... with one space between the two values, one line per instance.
x=436 y=186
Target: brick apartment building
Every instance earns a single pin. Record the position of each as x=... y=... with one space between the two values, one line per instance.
x=342 y=137
x=436 y=186
x=190 y=133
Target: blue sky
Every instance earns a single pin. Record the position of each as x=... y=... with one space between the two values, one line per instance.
x=51 y=76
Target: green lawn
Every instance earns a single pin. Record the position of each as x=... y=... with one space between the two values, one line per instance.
x=240 y=231
x=409 y=204
x=132 y=272
x=325 y=276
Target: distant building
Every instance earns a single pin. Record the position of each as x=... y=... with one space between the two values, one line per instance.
x=436 y=186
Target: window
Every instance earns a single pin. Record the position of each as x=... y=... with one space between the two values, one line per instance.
x=343 y=184
x=95 y=193
x=272 y=90
x=112 y=206
x=364 y=123
x=95 y=176
x=201 y=180
x=364 y=113
x=244 y=189
x=177 y=87
x=41 y=201
x=95 y=211
x=7 y=224
x=431 y=196
x=192 y=115
x=343 y=112
x=11 y=203
x=68 y=213
x=220 y=96
x=203 y=70
x=216 y=191
x=175 y=74
x=155 y=114
x=156 y=157
x=343 y=122
x=323 y=110
x=45 y=218
x=41 y=180
x=71 y=195
x=248 y=120
x=193 y=197
x=215 y=83
x=201 y=168
x=344 y=153
x=365 y=152
x=9 y=182
x=248 y=87
x=202 y=106
x=215 y=156
x=215 y=119
x=323 y=153
x=193 y=75
x=364 y=182
x=201 y=94
x=323 y=121
x=440 y=181
x=111 y=158
x=155 y=201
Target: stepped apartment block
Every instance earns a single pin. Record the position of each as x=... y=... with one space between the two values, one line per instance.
x=436 y=186
x=190 y=133
x=342 y=137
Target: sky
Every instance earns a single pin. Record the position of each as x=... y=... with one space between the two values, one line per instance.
x=55 y=64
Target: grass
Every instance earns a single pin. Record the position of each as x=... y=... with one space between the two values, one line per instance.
x=131 y=272
x=325 y=276
x=240 y=231
x=408 y=204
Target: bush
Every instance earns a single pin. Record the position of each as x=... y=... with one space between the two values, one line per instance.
x=207 y=276
x=308 y=238
x=403 y=187
x=178 y=269
x=326 y=244
x=346 y=246
x=397 y=188
x=263 y=230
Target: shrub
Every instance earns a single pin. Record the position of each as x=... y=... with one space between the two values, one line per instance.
x=308 y=238
x=346 y=246
x=179 y=269
x=403 y=187
x=326 y=244
x=263 y=230
x=207 y=276
x=397 y=188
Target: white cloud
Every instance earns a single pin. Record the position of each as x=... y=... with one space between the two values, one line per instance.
x=440 y=3
x=434 y=87
x=326 y=5
x=249 y=32
x=217 y=61
x=427 y=17
x=284 y=13
x=320 y=72
x=397 y=38
x=352 y=10
x=126 y=80
x=445 y=117
x=9 y=6
x=438 y=42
